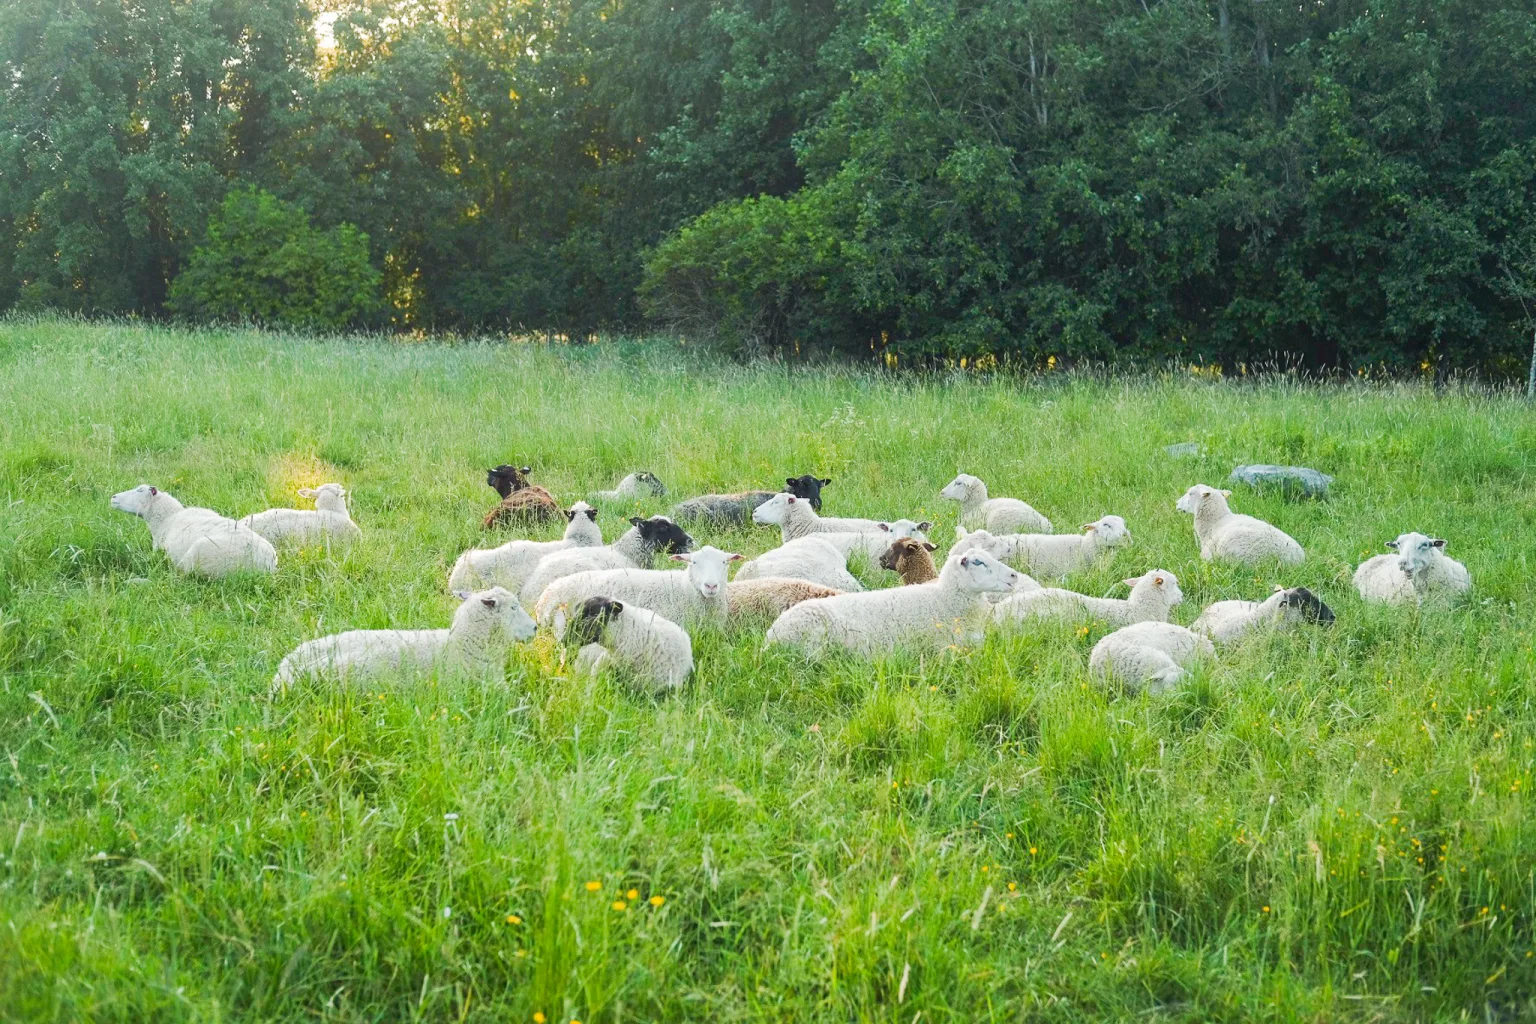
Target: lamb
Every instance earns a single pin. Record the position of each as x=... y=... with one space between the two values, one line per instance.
x=695 y=596
x=912 y=559
x=521 y=501
x=635 y=485
x=1046 y=554
x=649 y=649
x=735 y=509
x=508 y=565
x=771 y=596
x=1419 y=572
x=327 y=522
x=635 y=549
x=1229 y=537
x=484 y=626
x=795 y=518
x=945 y=612
x=196 y=540
x=999 y=515
x=1152 y=597
x=809 y=558
x=875 y=543
x=1228 y=621
x=1149 y=654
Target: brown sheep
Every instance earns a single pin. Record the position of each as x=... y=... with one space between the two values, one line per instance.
x=771 y=596
x=913 y=559
x=520 y=500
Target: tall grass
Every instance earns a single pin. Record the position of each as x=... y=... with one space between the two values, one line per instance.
x=1331 y=825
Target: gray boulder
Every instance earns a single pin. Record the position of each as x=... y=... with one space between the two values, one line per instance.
x=1294 y=480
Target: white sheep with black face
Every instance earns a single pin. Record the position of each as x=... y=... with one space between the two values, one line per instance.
x=1419 y=572
x=509 y=565
x=1226 y=536
x=484 y=626
x=1049 y=554
x=635 y=485
x=646 y=648
x=999 y=515
x=1153 y=595
x=1226 y=622
x=197 y=540
x=636 y=548
x=1149 y=655
x=328 y=521
x=697 y=595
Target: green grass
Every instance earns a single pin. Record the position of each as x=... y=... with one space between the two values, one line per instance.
x=1331 y=825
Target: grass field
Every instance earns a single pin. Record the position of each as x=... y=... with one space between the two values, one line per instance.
x=1331 y=825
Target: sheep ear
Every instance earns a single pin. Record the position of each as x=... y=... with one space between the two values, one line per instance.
x=463 y=595
x=489 y=602
x=790 y=481
x=527 y=469
x=884 y=527
x=635 y=520
x=930 y=547
x=307 y=492
x=924 y=526
x=734 y=558
x=965 y=561
x=1090 y=526
x=1392 y=544
x=569 y=515
x=1278 y=588
x=1157 y=580
x=154 y=491
x=1132 y=581
x=1437 y=543
x=681 y=558
x=1226 y=494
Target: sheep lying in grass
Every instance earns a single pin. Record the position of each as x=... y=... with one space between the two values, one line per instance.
x=736 y=509
x=810 y=558
x=912 y=559
x=1226 y=536
x=1152 y=597
x=521 y=501
x=874 y=543
x=999 y=515
x=484 y=626
x=636 y=548
x=509 y=565
x=196 y=540
x=1420 y=571
x=771 y=596
x=795 y=518
x=947 y=611
x=1226 y=622
x=697 y=595
x=327 y=521
x=1049 y=554
x=644 y=647
x=635 y=485
x=1148 y=654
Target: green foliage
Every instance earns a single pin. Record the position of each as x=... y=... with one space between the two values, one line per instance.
x=263 y=261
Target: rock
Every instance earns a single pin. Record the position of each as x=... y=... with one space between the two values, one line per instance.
x=1185 y=450
x=1297 y=480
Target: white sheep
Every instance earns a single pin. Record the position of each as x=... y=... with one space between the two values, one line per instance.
x=1148 y=654
x=1226 y=622
x=484 y=626
x=1152 y=596
x=947 y=611
x=196 y=540
x=635 y=485
x=811 y=558
x=636 y=548
x=795 y=518
x=999 y=515
x=697 y=595
x=874 y=543
x=771 y=596
x=328 y=521
x=508 y=565
x=1226 y=536
x=1420 y=571
x=647 y=648
x=1050 y=554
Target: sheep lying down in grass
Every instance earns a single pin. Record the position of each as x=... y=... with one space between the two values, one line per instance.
x=950 y=610
x=1226 y=622
x=796 y=517
x=1420 y=572
x=328 y=521
x=647 y=649
x=771 y=596
x=636 y=548
x=1150 y=655
x=635 y=485
x=810 y=558
x=1050 y=554
x=999 y=515
x=484 y=626
x=1225 y=536
x=508 y=565
x=736 y=509
x=697 y=595
x=1152 y=597
x=196 y=540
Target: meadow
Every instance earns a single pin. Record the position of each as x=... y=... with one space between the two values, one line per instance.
x=1330 y=824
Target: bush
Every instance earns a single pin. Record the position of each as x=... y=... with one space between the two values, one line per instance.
x=263 y=261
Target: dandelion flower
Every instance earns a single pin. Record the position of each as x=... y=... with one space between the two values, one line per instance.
x=594 y=886
x=657 y=901
x=633 y=894
x=514 y=919
x=620 y=905
x=538 y=1018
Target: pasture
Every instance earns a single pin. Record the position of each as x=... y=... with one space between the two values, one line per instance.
x=1330 y=824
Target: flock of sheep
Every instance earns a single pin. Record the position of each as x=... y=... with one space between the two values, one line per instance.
x=624 y=615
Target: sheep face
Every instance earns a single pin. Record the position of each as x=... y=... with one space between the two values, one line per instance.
x=649 y=480
x=591 y=619
x=137 y=501
x=661 y=534
x=906 y=528
x=772 y=511
x=980 y=573
x=1299 y=604
x=973 y=540
x=1199 y=496
x=581 y=508
x=902 y=549
x=499 y=607
x=1111 y=531
x=960 y=488
x=1415 y=552
x=1160 y=581
x=505 y=479
x=706 y=569
x=807 y=487
x=327 y=497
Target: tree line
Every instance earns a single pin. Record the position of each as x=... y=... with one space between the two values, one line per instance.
x=1339 y=183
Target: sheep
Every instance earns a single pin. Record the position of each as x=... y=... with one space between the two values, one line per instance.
x=809 y=558
x=912 y=559
x=1148 y=654
x=1228 y=621
x=734 y=509
x=484 y=626
x=327 y=521
x=649 y=649
x=635 y=485
x=795 y=518
x=771 y=596
x=1000 y=515
x=521 y=501
x=1226 y=536
x=938 y=614
x=509 y=565
x=196 y=540
x=874 y=543
x=1048 y=554
x=1152 y=597
x=698 y=595
x=1419 y=572
x=635 y=549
